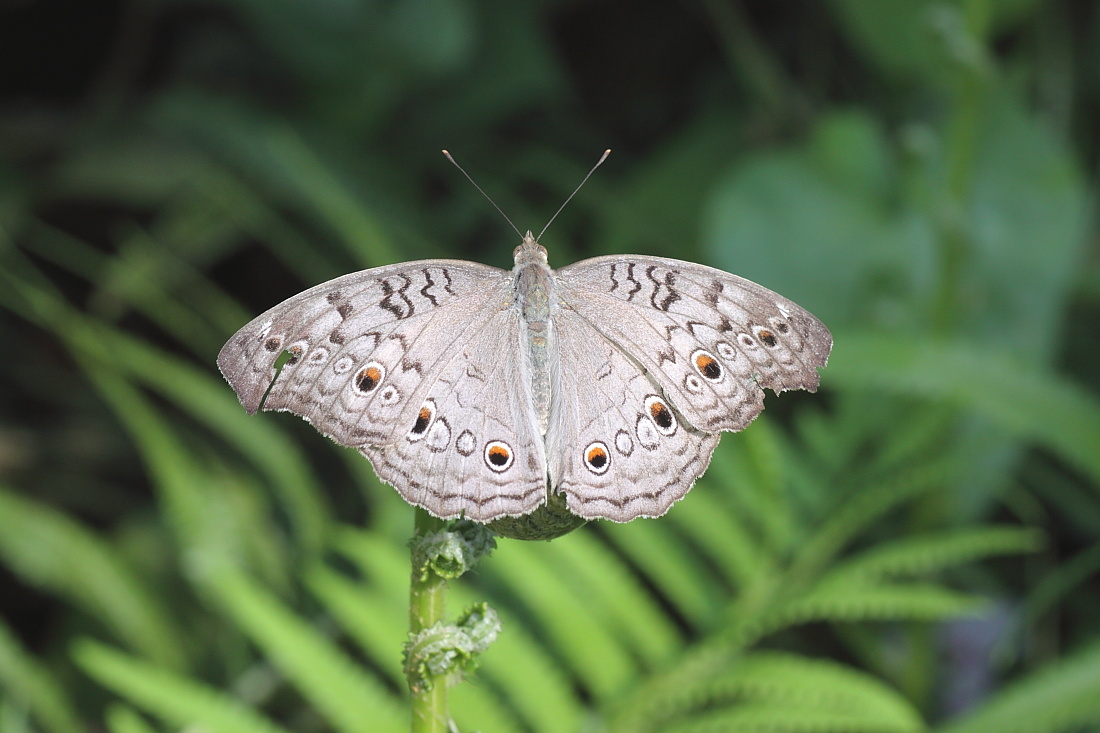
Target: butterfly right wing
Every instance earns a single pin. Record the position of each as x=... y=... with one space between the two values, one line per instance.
x=363 y=346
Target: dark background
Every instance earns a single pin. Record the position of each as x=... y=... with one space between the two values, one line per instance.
x=919 y=174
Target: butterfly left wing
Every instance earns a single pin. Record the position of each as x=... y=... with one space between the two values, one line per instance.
x=475 y=448
x=617 y=449
x=712 y=340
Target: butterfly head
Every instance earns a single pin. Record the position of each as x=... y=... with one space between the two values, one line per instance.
x=529 y=251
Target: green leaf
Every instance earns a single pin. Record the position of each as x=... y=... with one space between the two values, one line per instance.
x=27 y=683
x=789 y=691
x=174 y=698
x=349 y=698
x=906 y=38
x=855 y=602
x=122 y=719
x=1018 y=397
x=1062 y=697
x=614 y=597
x=924 y=554
x=593 y=650
x=1026 y=188
x=783 y=719
x=771 y=691
x=783 y=217
x=51 y=551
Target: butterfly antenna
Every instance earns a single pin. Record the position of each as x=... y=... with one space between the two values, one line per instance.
x=494 y=203
x=578 y=188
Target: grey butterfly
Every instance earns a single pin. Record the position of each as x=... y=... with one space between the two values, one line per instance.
x=598 y=390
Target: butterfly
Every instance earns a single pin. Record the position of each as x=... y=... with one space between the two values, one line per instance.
x=597 y=390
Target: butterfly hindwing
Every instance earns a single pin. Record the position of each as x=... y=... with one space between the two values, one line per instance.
x=475 y=448
x=616 y=448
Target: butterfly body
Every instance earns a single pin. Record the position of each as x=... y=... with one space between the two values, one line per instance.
x=597 y=390
x=534 y=292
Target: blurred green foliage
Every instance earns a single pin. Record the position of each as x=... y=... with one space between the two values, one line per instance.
x=914 y=548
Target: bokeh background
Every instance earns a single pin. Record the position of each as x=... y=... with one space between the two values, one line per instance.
x=916 y=547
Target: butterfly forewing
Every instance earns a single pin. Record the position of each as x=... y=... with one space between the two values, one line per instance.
x=362 y=348
x=475 y=449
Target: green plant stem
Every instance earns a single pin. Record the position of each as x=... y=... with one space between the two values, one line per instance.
x=970 y=88
x=426 y=601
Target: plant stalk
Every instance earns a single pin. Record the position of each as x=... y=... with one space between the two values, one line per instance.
x=430 y=713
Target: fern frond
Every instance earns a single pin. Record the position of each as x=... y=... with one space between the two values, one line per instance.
x=30 y=686
x=124 y=719
x=205 y=398
x=614 y=597
x=791 y=680
x=176 y=699
x=1033 y=404
x=763 y=684
x=858 y=602
x=347 y=696
x=860 y=510
x=780 y=719
x=1059 y=698
x=101 y=348
x=722 y=536
x=922 y=555
x=753 y=474
x=524 y=673
x=212 y=515
x=671 y=565
x=594 y=653
x=657 y=697
x=384 y=564
x=378 y=623
x=49 y=550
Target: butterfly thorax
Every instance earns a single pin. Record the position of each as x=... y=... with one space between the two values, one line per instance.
x=533 y=281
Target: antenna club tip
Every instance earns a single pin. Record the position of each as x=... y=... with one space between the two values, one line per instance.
x=445 y=151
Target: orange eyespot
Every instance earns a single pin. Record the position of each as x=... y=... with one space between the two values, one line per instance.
x=498 y=456
x=707 y=365
x=661 y=415
x=423 y=420
x=368 y=378
x=596 y=458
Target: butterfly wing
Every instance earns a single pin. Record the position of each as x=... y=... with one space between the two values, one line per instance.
x=475 y=448
x=418 y=366
x=712 y=341
x=617 y=449
x=362 y=346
